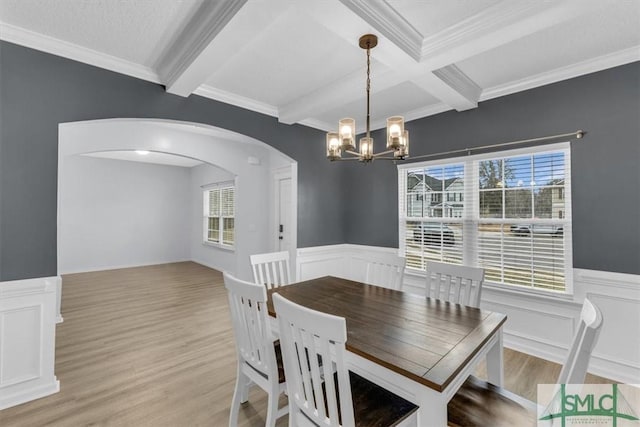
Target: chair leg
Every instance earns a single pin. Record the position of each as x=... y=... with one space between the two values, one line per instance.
x=292 y=415
x=272 y=406
x=244 y=389
x=240 y=395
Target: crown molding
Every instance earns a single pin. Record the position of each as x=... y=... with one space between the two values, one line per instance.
x=384 y=18
x=429 y=110
x=317 y=124
x=51 y=45
x=210 y=19
x=600 y=63
x=237 y=100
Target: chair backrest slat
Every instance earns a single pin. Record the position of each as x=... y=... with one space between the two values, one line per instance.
x=254 y=340
x=575 y=367
x=386 y=271
x=458 y=284
x=271 y=269
x=313 y=348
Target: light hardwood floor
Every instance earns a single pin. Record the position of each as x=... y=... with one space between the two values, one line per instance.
x=152 y=346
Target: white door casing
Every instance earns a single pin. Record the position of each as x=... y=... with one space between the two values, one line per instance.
x=285 y=212
x=284 y=223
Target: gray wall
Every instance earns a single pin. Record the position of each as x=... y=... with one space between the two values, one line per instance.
x=605 y=164
x=40 y=90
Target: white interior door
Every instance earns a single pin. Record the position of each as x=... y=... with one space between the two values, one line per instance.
x=284 y=224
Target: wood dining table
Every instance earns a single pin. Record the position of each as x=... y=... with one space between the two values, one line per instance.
x=419 y=348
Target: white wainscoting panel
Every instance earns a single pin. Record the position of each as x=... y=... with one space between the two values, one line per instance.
x=321 y=261
x=617 y=353
x=540 y=325
x=28 y=312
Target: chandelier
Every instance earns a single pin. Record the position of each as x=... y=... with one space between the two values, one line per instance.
x=343 y=141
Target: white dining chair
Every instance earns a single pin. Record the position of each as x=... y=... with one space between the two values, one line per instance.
x=327 y=394
x=386 y=271
x=458 y=284
x=271 y=269
x=258 y=360
x=479 y=403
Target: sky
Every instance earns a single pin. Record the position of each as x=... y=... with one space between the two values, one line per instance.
x=528 y=170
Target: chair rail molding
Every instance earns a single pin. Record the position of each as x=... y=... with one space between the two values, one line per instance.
x=28 y=315
x=540 y=325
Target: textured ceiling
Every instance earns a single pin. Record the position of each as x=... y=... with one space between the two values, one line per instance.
x=300 y=61
x=136 y=31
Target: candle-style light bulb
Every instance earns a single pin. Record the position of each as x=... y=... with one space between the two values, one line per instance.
x=347 y=129
x=395 y=131
x=333 y=146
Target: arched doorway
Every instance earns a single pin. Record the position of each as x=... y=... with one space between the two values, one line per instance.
x=253 y=166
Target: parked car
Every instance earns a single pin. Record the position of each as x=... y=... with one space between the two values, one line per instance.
x=525 y=229
x=433 y=234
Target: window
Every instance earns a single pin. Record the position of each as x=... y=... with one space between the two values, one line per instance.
x=506 y=212
x=219 y=214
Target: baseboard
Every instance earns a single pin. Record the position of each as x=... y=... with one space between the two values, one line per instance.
x=121 y=266
x=213 y=265
x=534 y=347
x=29 y=395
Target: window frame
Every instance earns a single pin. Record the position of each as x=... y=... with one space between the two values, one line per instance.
x=206 y=189
x=471 y=212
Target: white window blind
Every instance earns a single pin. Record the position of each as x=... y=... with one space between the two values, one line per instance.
x=227 y=213
x=507 y=212
x=219 y=214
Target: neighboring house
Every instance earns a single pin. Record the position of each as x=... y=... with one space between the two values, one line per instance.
x=550 y=200
x=557 y=200
x=433 y=197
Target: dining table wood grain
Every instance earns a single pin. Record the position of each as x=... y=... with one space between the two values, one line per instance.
x=423 y=339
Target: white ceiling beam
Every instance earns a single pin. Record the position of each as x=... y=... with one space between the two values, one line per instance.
x=495 y=26
x=186 y=64
x=458 y=89
x=459 y=41
x=389 y=23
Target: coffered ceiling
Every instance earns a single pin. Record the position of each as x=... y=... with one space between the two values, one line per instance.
x=299 y=60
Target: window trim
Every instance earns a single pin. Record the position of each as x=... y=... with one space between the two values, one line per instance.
x=471 y=201
x=205 y=218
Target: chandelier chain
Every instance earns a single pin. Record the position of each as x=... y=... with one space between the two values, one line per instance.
x=368 y=89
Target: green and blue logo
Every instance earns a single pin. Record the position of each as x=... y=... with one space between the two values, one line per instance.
x=600 y=404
